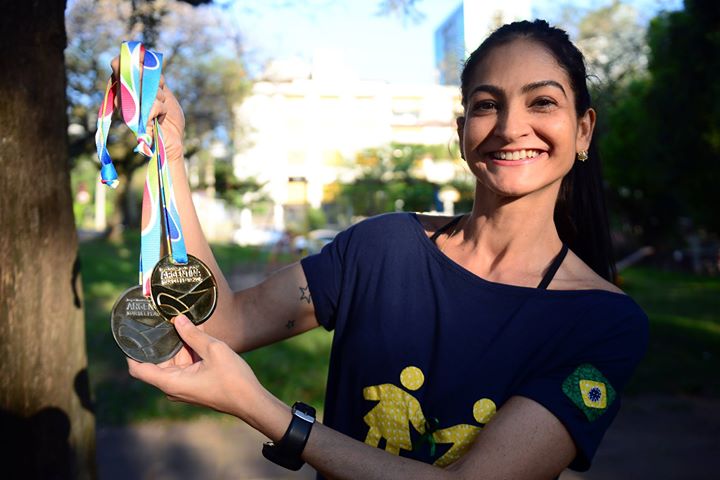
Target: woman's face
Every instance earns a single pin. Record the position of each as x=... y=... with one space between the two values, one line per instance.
x=520 y=133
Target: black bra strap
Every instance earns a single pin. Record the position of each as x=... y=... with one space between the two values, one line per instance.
x=445 y=228
x=557 y=261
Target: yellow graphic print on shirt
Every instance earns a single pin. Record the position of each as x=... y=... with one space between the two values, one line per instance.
x=396 y=408
x=462 y=436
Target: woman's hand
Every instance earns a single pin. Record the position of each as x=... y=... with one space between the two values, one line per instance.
x=205 y=372
x=168 y=112
x=171 y=119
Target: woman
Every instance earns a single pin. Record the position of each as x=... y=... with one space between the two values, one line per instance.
x=474 y=347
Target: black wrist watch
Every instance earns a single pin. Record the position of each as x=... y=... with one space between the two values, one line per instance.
x=287 y=451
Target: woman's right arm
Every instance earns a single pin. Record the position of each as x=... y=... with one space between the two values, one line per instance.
x=278 y=308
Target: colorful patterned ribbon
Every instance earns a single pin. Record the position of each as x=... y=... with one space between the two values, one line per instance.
x=108 y=175
x=173 y=228
x=158 y=196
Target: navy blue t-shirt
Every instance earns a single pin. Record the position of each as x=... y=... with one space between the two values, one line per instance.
x=424 y=351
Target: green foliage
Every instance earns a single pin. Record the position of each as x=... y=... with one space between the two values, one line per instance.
x=390 y=178
x=641 y=191
x=208 y=86
x=685 y=102
x=316 y=219
x=241 y=193
x=295 y=369
x=372 y=196
x=662 y=139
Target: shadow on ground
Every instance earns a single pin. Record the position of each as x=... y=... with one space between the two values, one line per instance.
x=658 y=437
x=661 y=437
x=199 y=449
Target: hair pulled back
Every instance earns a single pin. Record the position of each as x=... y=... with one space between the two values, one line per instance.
x=580 y=211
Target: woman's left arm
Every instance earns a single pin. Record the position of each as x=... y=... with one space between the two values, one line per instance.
x=523 y=441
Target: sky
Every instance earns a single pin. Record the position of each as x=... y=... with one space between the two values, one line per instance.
x=375 y=47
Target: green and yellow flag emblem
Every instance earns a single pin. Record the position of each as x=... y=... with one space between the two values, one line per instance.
x=589 y=390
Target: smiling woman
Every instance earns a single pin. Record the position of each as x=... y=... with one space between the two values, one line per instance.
x=489 y=345
x=556 y=87
x=517 y=102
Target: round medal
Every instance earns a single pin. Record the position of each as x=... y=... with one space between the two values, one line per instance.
x=189 y=289
x=140 y=331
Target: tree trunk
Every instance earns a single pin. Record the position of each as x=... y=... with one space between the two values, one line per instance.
x=46 y=421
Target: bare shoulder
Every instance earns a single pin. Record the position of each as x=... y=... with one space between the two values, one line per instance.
x=431 y=223
x=576 y=275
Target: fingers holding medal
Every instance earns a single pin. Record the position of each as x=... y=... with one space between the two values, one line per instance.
x=140 y=331
x=141 y=326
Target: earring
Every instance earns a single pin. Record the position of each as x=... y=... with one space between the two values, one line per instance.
x=582 y=156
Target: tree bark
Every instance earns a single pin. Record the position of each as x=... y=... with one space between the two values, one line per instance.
x=46 y=421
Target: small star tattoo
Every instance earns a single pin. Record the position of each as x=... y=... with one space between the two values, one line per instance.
x=305 y=294
x=290 y=324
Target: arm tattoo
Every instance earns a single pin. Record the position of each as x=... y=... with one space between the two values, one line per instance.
x=290 y=324
x=305 y=294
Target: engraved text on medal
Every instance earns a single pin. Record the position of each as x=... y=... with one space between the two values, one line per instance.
x=139 y=308
x=186 y=274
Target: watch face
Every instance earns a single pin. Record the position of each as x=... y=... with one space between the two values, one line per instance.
x=304 y=416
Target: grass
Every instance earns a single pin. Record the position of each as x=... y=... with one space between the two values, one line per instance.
x=683 y=355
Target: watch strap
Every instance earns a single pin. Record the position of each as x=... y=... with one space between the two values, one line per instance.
x=287 y=452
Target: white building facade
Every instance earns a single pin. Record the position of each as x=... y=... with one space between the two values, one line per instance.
x=300 y=132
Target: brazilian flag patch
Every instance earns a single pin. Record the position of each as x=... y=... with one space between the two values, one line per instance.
x=589 y=390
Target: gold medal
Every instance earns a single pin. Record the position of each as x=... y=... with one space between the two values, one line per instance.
x=140 y=331
x=188 y=289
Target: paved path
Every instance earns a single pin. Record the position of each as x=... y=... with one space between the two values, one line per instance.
x=206 y=449
x=654 y=437
x=660 y=437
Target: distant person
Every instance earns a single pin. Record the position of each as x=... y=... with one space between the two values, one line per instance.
x=512 y=303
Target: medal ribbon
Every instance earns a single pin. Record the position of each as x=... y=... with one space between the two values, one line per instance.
x=108 y=175
x=158 y=196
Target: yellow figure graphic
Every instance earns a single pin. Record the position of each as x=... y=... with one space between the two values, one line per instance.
x=389 y=418
x=462 y=436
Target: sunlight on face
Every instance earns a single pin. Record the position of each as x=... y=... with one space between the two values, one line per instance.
x=520 y=132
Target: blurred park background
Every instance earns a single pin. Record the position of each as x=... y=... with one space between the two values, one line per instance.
x=291 y=139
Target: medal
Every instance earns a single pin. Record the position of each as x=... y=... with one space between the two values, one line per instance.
x=188 y=289
x=174 y=284
x=140 y=331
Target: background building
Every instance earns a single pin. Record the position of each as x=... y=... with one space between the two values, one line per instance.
x=302 y=127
